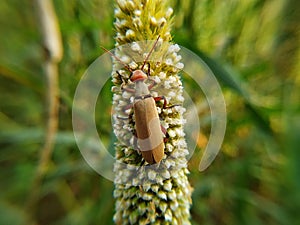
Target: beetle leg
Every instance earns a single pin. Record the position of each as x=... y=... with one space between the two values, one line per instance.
x=122 y=118
x=151 y=85
x=165 y=132
x=129 y=106
x=125 y=108
x=127 y=88
x=159 y=98
x=123 y=85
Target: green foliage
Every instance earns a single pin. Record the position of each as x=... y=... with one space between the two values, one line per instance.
x=252 y=47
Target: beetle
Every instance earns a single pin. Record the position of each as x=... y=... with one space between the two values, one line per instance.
x=149 y=132
x=147 y=124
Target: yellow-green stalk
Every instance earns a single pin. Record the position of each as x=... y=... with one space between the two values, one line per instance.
x=147 y=194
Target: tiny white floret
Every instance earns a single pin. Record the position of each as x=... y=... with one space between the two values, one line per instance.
x=130 y=33
x=169 y=12
x=180 y=65
x=153 y=21
x=137 y=21
x=162 y=21
x=169 y=61
x=151 y=175
x=174 y=48
x=130 y=4
x=162 y=75
x=135 y=47
x=117 y=12
x=137 y=12
x=125 y=59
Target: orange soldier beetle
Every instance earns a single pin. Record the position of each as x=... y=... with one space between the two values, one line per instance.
x=148 y=129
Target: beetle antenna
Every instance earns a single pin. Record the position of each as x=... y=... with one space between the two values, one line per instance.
x=146 y=59
x=117 y=58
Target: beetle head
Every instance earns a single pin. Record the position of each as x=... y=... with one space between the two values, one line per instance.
x=138 y=75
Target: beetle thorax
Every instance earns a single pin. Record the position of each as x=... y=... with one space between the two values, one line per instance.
x=138 y=77
x=141 y=88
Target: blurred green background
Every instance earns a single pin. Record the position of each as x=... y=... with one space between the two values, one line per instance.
x=252 y=47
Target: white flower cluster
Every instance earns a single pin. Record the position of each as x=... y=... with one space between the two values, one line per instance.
x=158 y=193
